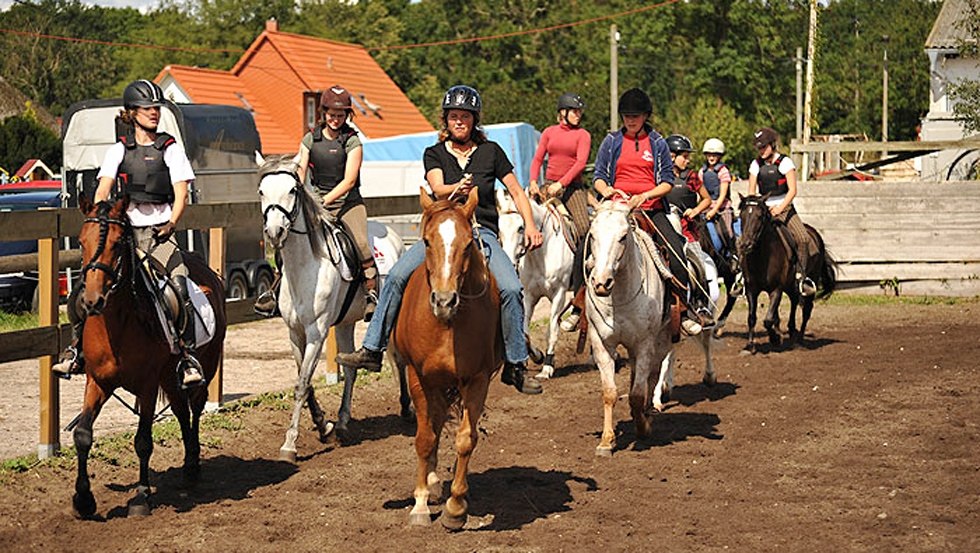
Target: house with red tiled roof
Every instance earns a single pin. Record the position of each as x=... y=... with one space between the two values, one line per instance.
x=279 y=79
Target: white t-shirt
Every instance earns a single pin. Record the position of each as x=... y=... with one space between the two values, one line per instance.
x=142 y=214
x=785 y=166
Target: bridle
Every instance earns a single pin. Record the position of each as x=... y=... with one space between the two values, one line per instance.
x=749 y=205
x=114 y=272
x=292 y=213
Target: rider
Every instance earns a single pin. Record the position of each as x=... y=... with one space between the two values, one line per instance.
x=634 y=162
x=775 y=174
x=332 y=152
x=567 y=147
x=718 y=179
x=153 y=169
x=691 y=198
x=461 y=160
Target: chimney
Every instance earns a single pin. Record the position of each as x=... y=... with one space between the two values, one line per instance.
x=272 y=25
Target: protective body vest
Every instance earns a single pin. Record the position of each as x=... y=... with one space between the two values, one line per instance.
x=328 y=162
x=145 y=176
x=712 y=181
x=681 y=194
x=770 y=180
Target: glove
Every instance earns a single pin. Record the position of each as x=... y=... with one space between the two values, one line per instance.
x=163 y=233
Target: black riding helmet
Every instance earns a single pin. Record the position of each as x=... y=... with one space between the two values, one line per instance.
x=678 y=143
x=764 y=137
x=570 y=100
x=462 y=97
x=634 y=102
x=143 y=94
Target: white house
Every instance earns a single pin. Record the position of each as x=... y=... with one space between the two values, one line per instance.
x=947 y=66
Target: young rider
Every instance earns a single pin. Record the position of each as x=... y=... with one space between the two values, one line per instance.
x=567 y=146
x=775 y=174
x=153 y=169
x=718 y=179
x=332 y=155
x=634 y=161
x=463 y=159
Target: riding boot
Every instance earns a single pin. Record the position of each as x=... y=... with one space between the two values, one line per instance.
x=363 y=358
x=72 y=361
x=370 y=288
x=192 y=373
x=804 y=283
x=515 y=374
x=267 y=304
x=571 y=322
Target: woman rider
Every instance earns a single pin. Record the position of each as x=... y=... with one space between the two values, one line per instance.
x=153 y=169
x=332 y=155
x=634 y=162
x=775 y=174
x=461 y=160
x=567 y=146
x=717 y=178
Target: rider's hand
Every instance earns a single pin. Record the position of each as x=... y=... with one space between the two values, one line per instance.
x=463 y=187
x=776 y=210
x=711 y=214
x=533 y=191
x=636 y=201
x=532 y=238
x=163 y=233
x=554 y=189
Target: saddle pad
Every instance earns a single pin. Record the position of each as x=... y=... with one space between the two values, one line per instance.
x=203 y=311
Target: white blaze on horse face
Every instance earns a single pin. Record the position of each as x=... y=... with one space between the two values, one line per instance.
x=275 y=189
x=608 y=232
x=447 y=232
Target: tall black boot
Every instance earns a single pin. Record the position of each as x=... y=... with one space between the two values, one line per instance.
x=72 y=361
x=192 y=373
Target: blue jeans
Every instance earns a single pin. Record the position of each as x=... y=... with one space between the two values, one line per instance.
x=511 y=298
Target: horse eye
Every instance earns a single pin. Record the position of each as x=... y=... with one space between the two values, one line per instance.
x=292 y=191
x=426 y=242
x=260 y=192
x=622 y=239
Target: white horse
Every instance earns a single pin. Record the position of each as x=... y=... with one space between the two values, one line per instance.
x=313 y=294
x=544 y=271
x=625 y=305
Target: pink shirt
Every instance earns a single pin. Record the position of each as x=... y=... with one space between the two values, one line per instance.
x=567 y=149
x=634 y=169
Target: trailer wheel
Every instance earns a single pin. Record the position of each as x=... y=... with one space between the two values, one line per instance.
x=263 y=281
x=237 y=286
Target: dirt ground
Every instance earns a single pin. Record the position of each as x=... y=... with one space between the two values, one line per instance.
x=863 y=439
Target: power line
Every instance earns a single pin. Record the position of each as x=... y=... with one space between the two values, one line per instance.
x=526 y=31
x=124 y=44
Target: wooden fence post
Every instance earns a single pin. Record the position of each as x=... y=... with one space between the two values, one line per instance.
x=216 y=259
x=330 y=363
x=50 y=409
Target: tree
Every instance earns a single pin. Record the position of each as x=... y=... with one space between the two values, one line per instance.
x=22 y=137
x=966 y=93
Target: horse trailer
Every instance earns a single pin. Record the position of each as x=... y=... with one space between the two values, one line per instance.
x=220 y=141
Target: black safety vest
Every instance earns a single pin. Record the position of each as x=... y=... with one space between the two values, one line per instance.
x=143 y=173
x=681 y=194
x=328 y=162
x=711 y=180
x=770 y=179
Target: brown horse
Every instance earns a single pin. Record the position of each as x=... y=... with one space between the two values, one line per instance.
x=125 y=348
x=448 y=338
x=768 y=266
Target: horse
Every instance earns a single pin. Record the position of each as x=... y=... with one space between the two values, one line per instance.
x=449 y=341
x=626 y=305
x=125 y=347
x=544 y=271
x=314 y=295
x=768 y=266
x=726 y=271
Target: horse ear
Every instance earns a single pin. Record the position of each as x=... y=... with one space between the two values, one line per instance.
x=122 y=204
x=259 y=160
x=424 y=199
x=740 y=197
x=84 y=203
x=471 y=202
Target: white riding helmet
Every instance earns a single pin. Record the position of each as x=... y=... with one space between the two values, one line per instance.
x=713 y=146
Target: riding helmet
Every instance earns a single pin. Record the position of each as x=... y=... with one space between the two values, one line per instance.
x=713 y=146
x=678 y=143
x=570 y=100
x=143 y=94
x=335 y=97
x=764 y=137
x=462 y=97
x=634 y=102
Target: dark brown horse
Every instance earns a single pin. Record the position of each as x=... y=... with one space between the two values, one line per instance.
x=449 y=341
x=725 y=271
x=125 y=348
x=767 y=266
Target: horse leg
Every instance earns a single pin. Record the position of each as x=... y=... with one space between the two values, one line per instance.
x=639 y=396
x=730 y=300
x=429 y=419
x=188 y=416
x=705 y=341
x=807 y=310
x=554 y=326
x=345 y=343
x=311 y=354
x=794 y=300
x=404 y=397
x=530 y=301
x=752 y=298
x=139 y=505
x=607 y=374
x=661 y=392
x=474 y=396
x=771 y=322
x=83 y=502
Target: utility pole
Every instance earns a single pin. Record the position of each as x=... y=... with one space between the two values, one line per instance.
x=799 y=93
x=884 y=96
x=808 y=104
x=613 y=78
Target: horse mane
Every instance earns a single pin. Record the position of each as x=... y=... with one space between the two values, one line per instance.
x=437 y=207
x=314 y=212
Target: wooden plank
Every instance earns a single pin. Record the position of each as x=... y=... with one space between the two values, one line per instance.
x=28 y=261
x=28 y=225
x=238 y=312
x=910 y=271
x=233 y=214
x=30 y=343
x=392 y=205
x=898 y=146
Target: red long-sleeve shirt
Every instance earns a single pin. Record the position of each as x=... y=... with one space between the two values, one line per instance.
x=567 y=149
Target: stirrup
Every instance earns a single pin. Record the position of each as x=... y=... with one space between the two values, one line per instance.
x=691 y=327
x=807 y=287
x=266 y=305
x=191 y=372
x=69 y=363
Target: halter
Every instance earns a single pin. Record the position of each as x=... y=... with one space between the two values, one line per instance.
x=746 y=242
x=115 y=272
x=292 y=214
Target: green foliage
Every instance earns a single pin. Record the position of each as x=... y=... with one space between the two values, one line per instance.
x=702 y=118
x=966 y=94
x=23 y=138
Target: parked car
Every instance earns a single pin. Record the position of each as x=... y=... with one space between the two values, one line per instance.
x=18 y=290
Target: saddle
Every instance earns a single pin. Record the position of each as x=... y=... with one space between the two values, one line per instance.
x=169 y=310
x=564 y=217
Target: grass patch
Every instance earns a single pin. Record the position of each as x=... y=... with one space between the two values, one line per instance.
x=22 y=321
x=889 y=299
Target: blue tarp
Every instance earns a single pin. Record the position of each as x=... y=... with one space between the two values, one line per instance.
x=518 y=140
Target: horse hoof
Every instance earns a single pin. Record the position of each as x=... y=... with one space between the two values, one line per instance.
x=659 y=406
x=326 y=434
x=451 y=523
x=192 y=474
x=535 y=354
x=139 y=509
x=288 y=455
x=83 y=505
x=709 y=380
x=718 y=332
x=419 y=519
x=603 y=451
x=408 y=413
x=546 y=372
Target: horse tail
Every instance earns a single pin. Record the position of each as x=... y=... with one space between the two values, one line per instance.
x=828 y=269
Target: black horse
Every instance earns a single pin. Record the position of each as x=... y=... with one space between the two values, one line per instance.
x=768 y=266
x=726 y=271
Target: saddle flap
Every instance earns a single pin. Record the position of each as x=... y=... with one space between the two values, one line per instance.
x=343 y=250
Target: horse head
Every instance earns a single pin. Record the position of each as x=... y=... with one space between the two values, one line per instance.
x=755 y=218
x=449 y=245
x=279 y=192
x=105 y=238
x=607 y=241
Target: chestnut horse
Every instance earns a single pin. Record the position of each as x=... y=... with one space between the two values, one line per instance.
x=767 y=266
x=125 y=347
x=448 y=339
